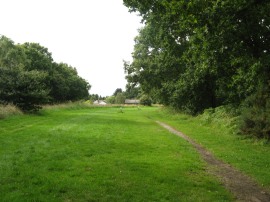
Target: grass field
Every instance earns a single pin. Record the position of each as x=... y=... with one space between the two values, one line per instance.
x=100 y=154
x=251 y=156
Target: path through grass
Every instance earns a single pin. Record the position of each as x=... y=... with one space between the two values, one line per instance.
x=247 y=155
x=99 y=154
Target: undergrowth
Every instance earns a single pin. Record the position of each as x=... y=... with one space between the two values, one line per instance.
x=68 y=105
x=9 y=110
x=256 y=114
x=222 y=117
x=77 y=105
x=229 y=120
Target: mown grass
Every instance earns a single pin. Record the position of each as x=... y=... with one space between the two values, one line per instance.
x=219 y=136
x=99 y=154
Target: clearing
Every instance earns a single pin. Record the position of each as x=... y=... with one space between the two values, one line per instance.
x=100 y=154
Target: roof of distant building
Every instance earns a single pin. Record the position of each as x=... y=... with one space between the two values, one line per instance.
x=129 y=101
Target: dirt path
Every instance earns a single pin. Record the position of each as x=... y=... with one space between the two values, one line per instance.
x=243 y=187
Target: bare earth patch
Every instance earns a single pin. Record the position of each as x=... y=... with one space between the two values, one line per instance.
x=242 y=186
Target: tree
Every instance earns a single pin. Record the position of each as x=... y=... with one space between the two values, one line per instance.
x=120 y=98
x=118 y=90
x=146 y=100
x=94 y=97
x=30 y=78
x=110 y=99
x=23 y=88
x=38 y=57
x=256 y=114
x=198 y=54
x=10 y=55
x=66 y=85
x=132 y=92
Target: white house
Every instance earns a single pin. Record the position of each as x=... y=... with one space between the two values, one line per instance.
x=99 y=102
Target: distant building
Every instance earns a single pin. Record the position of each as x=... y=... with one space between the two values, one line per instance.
x=132 y=102
x=99 y=102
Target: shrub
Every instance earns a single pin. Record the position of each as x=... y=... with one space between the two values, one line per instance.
x=256 y=115
x=225 y=116
x=25 y=89
x=146 y=100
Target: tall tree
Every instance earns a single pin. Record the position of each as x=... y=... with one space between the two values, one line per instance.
x=120 y=98
x=38 y=57
x=66 y=85
x=132 y=92
x=198 y=54
x=118 y=90
x=26 y=89
x=30 y=78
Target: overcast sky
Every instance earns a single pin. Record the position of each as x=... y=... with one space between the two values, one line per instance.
x=94 y=36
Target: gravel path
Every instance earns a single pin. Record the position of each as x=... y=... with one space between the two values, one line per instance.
x=242 y=186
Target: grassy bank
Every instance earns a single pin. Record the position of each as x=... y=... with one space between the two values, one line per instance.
x=99 y=154
x=218 y=134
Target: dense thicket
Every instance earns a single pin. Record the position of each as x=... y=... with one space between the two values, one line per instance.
x=29 y=77
x=199 y=54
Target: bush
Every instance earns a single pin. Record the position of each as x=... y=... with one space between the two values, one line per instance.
x=8 y=110
x=25 y=89
x=120 y=98
x=256 y=115
x=146 y=100
x=224 y=116
x=110 y=99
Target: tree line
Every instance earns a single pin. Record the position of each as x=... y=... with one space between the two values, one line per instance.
x=132 y=93
x=199 y=54
x=30 y=78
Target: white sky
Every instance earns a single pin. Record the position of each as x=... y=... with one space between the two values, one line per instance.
x=95 y=36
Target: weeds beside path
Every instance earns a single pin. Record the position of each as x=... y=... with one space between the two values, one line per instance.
x=244 y=188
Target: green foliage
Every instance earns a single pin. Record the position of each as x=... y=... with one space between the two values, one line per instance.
x=24 y=88
x=194 y=55
x=256 y=115
x=132 y=92
x=67 y=85
x=146 y=100
x=110 y=99
x=29 y=78
x=38 y=57
x=118 y=90
x=225 y=117
x=89 y=102
x=120 y=98
x=94 y=97
x=30 y=90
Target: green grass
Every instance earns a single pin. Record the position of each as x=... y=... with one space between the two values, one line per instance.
x=251 y=156
x=99 y=154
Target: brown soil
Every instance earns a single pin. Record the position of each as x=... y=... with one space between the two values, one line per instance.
x=242 y=186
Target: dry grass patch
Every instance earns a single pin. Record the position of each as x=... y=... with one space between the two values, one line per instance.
x=9 y=110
